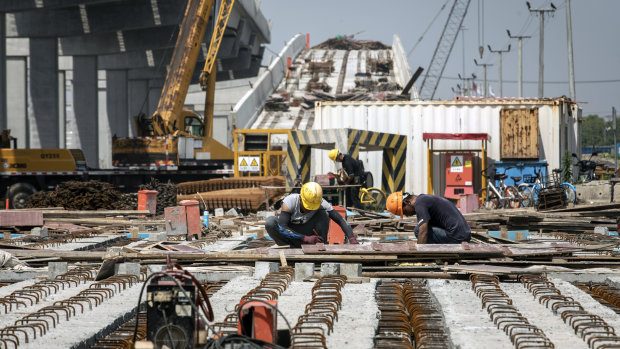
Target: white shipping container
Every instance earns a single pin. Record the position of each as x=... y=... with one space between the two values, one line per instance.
x=557 y=119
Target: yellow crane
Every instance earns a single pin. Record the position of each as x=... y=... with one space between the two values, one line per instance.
x=174 y=133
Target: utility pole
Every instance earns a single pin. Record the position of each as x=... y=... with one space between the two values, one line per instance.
x=484 y=66
x=500 y=52
x=467 y=86
x=520 y=37
x=463 y=29
x=541 y=44
x=571 y=65
x=613 y=125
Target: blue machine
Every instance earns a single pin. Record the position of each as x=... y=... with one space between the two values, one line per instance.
x=520 y=169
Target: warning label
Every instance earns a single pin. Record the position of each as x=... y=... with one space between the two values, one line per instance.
x=249 y=164
x=456 y=163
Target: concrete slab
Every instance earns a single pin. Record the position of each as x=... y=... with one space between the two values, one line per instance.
x=292 y=302
x=21 y=275
x=561 y=334
x=6 y=290
x=357 y=319
x=224 y=300
x=469 y=324
x=587 y=302
x=91 y=323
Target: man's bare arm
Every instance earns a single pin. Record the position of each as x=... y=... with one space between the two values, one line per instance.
x=423 y=233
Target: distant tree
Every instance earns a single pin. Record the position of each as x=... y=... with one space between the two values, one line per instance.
x=593 y=130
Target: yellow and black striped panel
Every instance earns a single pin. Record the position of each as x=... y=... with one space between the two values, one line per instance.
x=350 y=140
x=394 y=154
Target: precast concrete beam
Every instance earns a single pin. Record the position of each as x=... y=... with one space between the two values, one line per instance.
x=98 y=17
x=30 y=5
x=136 y=59
x=43 y=87
x=85 y=105
x=120 y=41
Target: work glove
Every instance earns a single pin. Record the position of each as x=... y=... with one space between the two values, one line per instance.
x=353 y=241
x=312 y=240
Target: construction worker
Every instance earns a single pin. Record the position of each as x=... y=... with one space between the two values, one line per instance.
x=355 y=175
x=304 y=219
x=439 y=221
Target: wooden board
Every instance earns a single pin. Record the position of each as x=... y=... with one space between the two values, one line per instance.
x=519 y=133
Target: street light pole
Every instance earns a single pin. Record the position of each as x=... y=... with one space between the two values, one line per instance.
x=499 y=52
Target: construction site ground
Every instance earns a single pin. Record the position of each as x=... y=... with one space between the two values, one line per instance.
x=526 y=277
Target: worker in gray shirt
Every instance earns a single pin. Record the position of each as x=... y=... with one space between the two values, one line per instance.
x=304 y=219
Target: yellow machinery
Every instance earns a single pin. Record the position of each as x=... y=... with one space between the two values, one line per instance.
x=256 y=156
x=174 y=133
x=41 y=160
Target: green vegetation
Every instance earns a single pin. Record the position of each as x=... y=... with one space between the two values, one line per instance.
x=595 y=131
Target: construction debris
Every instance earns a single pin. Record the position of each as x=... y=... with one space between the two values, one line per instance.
x=75 y=195
x=346 y=43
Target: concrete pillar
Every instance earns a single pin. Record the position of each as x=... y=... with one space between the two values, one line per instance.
x=3 y=71
x=138 y=94
x=127 y=269
x=117 y=102
x=85 y=105
x=303 y=271
x=62 y=110
x=330 y=269
x=56 y=268
x=263 y=268
x=17 y=74
x=351 y=269
x=43 y=86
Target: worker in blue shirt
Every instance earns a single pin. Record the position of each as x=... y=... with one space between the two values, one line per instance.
x=439 y=221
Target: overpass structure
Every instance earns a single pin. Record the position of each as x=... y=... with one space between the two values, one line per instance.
x=74 y=72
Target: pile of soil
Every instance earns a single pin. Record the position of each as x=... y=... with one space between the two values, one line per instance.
x=75 y=195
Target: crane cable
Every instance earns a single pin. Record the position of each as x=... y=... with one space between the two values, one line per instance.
x=427 y=28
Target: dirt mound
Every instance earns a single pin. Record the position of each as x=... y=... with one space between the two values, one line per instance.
x=75 y=195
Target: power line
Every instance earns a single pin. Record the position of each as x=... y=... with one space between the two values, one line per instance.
x=547 y=82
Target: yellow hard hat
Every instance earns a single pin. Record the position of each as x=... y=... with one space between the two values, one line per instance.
x=333 y=154
x=311 y=195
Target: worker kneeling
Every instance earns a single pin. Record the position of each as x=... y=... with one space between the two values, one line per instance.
x=439 y=221
x=304 y=219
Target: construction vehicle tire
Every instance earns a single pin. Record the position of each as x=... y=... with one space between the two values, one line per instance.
x=19 y=193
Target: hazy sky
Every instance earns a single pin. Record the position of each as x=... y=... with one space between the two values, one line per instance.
x=596 y=40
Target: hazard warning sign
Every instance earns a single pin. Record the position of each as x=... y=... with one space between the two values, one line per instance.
x=456 y=163
x=249 y=164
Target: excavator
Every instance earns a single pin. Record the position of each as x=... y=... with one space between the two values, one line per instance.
x=173 y=134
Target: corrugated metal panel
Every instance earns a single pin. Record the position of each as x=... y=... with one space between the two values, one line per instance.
x=558 y=131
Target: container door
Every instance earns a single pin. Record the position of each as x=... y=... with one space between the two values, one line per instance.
x=519 y=133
